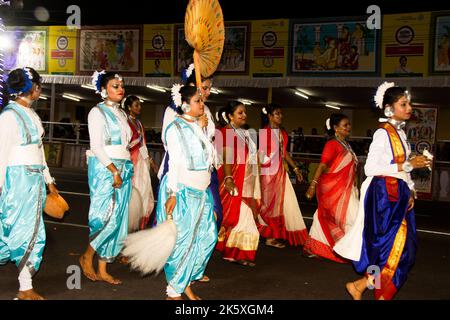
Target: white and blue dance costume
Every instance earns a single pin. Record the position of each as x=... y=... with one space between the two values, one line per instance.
x=384 y=234
x=192 y=158
x=110 y=135
x=23 y=175
x=169 y=115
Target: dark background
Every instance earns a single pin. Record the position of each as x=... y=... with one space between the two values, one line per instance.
x=98 y=12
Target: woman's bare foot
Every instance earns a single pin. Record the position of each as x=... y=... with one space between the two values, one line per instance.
x=108 y=278
x=175 y=298
x=205 y=279
x=29 y=295
x=88 y=268
x=275 y=243
x=190 y=294
x=123 y=260
x=353 y=291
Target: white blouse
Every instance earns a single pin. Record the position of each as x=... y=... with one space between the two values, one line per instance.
x=11 y=137
x=170 y=115
x=379 y=159
x=178 y=171
x=97 y=135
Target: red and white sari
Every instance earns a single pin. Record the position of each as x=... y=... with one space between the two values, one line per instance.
x=337 y=198
x=142 y=199
x=238 y=235
x=280 y=216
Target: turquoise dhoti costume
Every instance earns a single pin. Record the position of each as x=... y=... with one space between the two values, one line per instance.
x=108 y=212
x=196 y=234
x=22 y=200
x=193 y=214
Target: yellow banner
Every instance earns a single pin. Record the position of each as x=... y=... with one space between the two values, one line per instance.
x=405 y=44
x=158 y=50
x=269 y=45
x=62 y=48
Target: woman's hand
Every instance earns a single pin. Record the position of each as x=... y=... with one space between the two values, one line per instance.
x=419 y=162
x=311 y=191
x=153 y=165
x=411 y=203
x=52 y=188
x=229 y=185
x=203 y=121
x=298 y=173
x=117 y=181
x=170 y=205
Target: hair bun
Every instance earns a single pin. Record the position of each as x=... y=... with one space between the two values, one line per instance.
x=16 y=80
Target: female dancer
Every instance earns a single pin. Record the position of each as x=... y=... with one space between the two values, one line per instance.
x=239 y=189
x=334 y=183
x=144 y=203
x=23 y=167
x=109 y=171
x=280 y=216
x=184 y=195
x=384 y=236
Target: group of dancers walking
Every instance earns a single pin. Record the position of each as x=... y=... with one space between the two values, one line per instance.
x=223 y=188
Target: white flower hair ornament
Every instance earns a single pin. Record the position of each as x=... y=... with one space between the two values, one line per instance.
x=96 y=77
x=28 y=73
x=379 y=96
x=176 y=95
x=187 y=73
x=224 y=117
x=328 y=124
x=189 y=70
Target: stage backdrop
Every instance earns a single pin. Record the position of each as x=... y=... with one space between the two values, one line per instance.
x=333 y=47
x=29 y=48
x=421 y=132
x=269 y=47
x=158 y=50
x=111 y=48
x=62 y=47
x=405 y=44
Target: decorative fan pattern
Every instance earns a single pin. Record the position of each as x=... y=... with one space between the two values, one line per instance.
x=205 y=32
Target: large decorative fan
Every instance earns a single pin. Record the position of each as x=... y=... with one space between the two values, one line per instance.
x=205 y=32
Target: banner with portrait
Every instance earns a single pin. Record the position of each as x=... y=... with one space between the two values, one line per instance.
x=405 y=44
x=235 y=56
x=333 y=47
x=421 y=133
x=157 y=50
x=26 y=47
x=440 y=50
x=109 y=48
x=62 y=47
x=269 y=46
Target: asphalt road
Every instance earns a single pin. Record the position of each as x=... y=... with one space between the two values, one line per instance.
x=279 y=274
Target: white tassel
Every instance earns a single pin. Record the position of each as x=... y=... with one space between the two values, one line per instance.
x=148 y=250
x=135 y=210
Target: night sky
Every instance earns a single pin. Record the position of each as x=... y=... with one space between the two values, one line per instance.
x=172 y=11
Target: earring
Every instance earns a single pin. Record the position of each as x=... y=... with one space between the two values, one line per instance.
x=388 y=112
x=104 y=94
x=185 y=107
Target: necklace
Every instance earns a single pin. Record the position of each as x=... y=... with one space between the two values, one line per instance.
x=110 y=103
x=243 y=135
x=348 y=147
x=189 y=118
x=26 y=100
x=399 y=125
